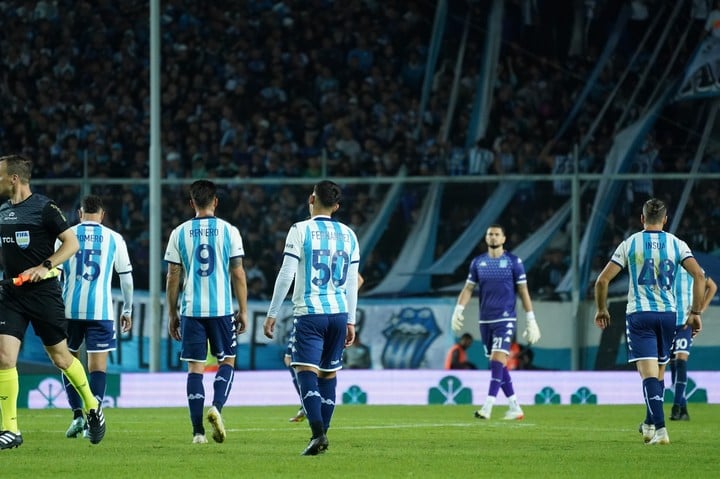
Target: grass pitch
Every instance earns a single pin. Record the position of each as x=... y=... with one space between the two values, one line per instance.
x=372 y=442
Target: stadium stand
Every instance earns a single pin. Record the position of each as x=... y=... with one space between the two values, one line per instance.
x=300 y=90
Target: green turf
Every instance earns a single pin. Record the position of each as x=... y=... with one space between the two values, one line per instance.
x=372 y=442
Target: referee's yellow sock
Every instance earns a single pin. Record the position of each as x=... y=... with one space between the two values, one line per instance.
x=9 y=389
x=76 y=374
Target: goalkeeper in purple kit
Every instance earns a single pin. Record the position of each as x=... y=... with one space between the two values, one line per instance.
x=500 y=278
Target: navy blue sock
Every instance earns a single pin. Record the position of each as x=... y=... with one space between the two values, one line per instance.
x=294 y=380
x=327 y=387
x=98 y=381
x=672 y=371
x=311 y=400
x=652 y=391
x=73 y=397
x=222 y=385
x=680 y=382
x=196 y=401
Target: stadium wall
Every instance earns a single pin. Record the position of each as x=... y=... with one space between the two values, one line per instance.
x=355 y=387
x=409 y=333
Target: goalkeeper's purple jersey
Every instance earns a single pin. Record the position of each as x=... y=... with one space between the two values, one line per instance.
x=496 y=279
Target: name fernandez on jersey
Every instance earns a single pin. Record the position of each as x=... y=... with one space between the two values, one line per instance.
x=330 y=235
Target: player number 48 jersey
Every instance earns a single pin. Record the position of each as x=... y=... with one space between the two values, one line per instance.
x=652 y=259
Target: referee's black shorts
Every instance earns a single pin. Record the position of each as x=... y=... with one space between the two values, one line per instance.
x=39 y=304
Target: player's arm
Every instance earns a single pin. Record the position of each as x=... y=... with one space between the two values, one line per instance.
x=172 y=290
x=524 y=293
x=602 y=283
x=710 y=291
x=532 y=330
x=280 y=290
x=124 y=269
x=239 y=285
x=699 y=286
x=68 y=247
x=127 y=286
x=457 y=319
x=466 y=294
x=285 y=277
x=352 y=295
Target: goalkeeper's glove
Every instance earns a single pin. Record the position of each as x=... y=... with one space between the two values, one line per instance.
x=458 y=318
x=532 y=331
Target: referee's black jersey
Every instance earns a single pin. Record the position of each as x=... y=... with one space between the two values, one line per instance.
x=29 y=230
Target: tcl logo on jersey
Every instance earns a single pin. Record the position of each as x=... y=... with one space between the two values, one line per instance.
x=22 y=238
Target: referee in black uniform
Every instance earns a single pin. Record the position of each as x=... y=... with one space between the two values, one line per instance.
x=29 y=225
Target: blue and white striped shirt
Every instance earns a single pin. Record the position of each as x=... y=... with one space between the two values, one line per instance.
x=324 y=248
x=683 y=294
x=88 y=273
x=204 y=247
x=652 y=259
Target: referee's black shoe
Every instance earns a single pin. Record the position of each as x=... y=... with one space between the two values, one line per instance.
x=9 y=440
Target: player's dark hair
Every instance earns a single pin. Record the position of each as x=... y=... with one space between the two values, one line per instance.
x=654 y=211
x=202 y=193
x=92 y=204
x=19 y=165
x=328 y=193
x=499 y=226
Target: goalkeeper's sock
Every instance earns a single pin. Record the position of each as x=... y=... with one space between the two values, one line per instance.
x=680 y=383
x=9 y=390
x=196 y=401
x=76 y=375
x=652 y=391
x=496 y=377
x=513 y=402
x=507 y=385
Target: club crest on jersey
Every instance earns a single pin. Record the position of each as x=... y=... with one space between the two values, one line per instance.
x=503 y=263
x=22 y=239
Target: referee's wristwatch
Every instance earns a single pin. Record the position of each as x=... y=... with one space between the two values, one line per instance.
x=47 y=264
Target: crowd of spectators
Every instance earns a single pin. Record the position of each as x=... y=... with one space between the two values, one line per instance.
x=267 y=89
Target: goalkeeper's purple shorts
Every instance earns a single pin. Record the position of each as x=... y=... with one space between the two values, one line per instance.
x=497 y=336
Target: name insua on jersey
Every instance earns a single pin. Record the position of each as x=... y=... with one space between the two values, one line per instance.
x=329 y=235
x=654 y=244
x=204 y=232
